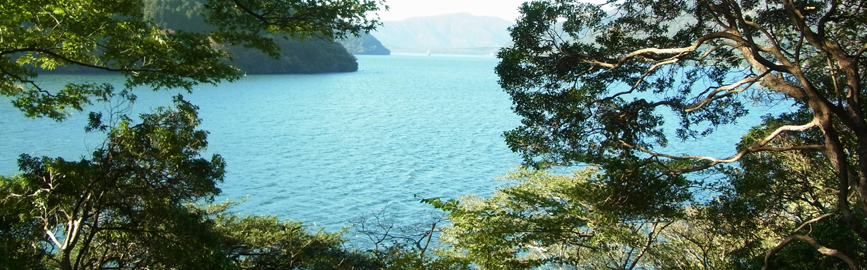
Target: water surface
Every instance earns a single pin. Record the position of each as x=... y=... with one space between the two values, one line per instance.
x=326 y=148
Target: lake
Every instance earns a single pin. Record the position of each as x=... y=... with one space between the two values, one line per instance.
x=325 y=148
x=329 y=147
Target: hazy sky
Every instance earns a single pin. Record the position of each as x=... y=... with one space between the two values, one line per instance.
x=506 y=9
x=402 y=9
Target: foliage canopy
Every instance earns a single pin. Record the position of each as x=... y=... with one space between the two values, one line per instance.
x=131 y=204
x=562 y=222
x=594 y=82
x=117 y=36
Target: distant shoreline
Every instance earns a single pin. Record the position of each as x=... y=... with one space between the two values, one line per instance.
x=444 y=55
x=484 y=51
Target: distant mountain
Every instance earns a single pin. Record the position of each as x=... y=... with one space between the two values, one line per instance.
x=450 y=33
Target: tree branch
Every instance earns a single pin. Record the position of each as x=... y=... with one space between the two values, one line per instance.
x=651 y=238
x=861 y=51
x=759 y=147
x=822 y=249
x=657 y=51
x=76 y=62
x=27 y=81
x=814 y=220
x=729 y=89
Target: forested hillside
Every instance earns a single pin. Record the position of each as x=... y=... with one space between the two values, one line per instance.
x=364 y=44
x=297 y=56
x=312 y=55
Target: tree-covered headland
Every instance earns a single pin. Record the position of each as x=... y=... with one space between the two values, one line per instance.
x=298 y=54
x=592 y=84
x=364 y=44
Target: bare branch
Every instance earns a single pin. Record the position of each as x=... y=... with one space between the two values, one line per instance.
x=759 y=147
x=652 y=237
x=429 y=236
x=779 y=130
x=827 y=17
x=822 y=249
x=707 y=53
x=729 y=89
x=815 y=220
x=755 y=46
x=861 y=51
x=259 y=17
x=75 y=62
x=53 y=238
x=656 y=51
x=27 y=81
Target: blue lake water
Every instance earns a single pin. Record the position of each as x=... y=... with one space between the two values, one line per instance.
x=326 y=148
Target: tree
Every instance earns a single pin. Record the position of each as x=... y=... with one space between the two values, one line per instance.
x=117 y=36
x=263 y=242
x=592 y=87
x=130 y=204
x=126 y=205
x=406 y=246
x=548 y=221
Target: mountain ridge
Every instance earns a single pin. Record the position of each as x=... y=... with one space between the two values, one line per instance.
x=447 y=33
